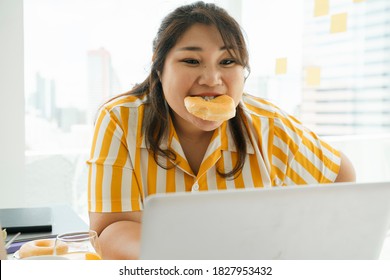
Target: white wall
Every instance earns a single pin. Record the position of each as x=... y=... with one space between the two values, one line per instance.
x=12 y=104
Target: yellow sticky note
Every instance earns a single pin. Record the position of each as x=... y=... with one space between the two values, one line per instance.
x=338 y=23
x=358 y=1
x=321 y=7
x=281 y=66
x=313 y=76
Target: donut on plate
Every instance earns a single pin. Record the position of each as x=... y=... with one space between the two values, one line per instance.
x=42 y=247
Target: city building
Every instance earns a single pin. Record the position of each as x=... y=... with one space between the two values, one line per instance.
x=102 y=81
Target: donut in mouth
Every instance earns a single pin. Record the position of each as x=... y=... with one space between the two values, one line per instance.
x=211 y=108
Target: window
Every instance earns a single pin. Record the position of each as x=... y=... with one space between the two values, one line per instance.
x=353 y=96
x=78 y=54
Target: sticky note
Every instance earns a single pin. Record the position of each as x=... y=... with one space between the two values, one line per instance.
x=358 y=1
x=338 y=23
x=281 y=66
x=313 y=76
x=321 y=7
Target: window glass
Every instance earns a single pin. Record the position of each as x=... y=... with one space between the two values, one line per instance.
x=78 y=54
x=349 y=47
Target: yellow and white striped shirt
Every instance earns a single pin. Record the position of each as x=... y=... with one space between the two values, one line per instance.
x=280 y=152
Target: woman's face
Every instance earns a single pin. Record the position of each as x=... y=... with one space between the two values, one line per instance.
x=200 y=65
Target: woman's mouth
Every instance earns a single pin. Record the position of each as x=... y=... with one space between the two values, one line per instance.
x=207 y=98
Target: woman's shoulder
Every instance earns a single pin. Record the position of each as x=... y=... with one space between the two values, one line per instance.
x=125 y=100
x=257 y=107
x=261 y=107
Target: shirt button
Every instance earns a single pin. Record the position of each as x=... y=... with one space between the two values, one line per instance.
x=195 y=187
x=277 y=182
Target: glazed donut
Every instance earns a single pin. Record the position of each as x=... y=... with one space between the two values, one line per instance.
x=220 y=108
x=42 y=247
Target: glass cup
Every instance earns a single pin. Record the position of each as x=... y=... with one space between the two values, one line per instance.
x=78 y=246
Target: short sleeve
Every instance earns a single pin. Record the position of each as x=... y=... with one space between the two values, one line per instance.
x=302 y=157
x=111 y=183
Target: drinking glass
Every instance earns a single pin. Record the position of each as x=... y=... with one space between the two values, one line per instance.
x=79 y=245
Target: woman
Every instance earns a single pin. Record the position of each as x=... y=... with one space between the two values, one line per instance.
x=147 y=142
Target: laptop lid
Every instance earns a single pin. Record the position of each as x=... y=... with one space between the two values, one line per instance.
x=333 y=221
x=26 y=220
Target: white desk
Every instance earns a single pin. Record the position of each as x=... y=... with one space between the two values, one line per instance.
x=66 y=220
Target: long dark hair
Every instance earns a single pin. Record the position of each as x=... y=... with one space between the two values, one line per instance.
x=173 y=26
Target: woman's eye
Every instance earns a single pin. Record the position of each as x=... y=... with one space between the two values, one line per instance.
x=228 y=61
x=191 y=61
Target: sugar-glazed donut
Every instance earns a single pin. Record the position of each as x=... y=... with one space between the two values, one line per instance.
x=220 y=108
x=42 y=247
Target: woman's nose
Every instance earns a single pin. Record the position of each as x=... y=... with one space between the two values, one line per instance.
x=210 y=76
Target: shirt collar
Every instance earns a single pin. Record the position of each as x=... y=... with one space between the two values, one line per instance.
x=222 y=139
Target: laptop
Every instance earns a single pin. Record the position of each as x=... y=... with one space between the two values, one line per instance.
x=26 y=220
x=332 y=221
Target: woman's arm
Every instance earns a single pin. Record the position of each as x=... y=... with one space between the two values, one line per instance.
x=347 y=172
x=119 y=234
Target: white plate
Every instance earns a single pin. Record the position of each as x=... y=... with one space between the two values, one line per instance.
x=16 y=255
x=46 y=257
